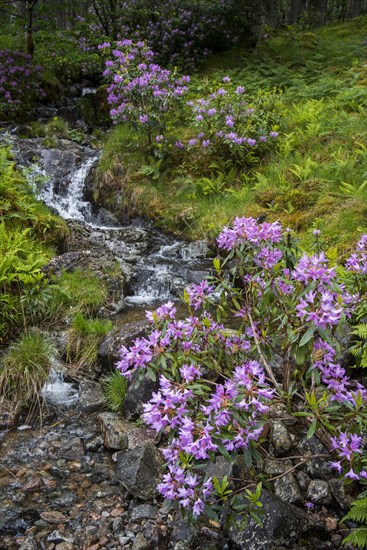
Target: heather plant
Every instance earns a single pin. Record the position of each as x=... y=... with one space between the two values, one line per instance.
x=268 y=304
x=19 y=82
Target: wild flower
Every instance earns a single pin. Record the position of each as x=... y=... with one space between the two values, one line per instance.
x=216 y=382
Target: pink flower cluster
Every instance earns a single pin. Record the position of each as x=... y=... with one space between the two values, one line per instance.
x=216 y=382
x=141 y=93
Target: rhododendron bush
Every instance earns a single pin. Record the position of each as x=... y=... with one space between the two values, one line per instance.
x=267 y=326
x=19 y=82
x=142 y=93
x=222 y=123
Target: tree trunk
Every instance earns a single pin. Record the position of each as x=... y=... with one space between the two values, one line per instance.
x=30 y=7
x=293 y=12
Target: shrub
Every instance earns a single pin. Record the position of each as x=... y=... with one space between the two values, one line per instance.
x=180 y=32
x=142 y=93
x=19 y=82
x=216 y=380
x=228 y=125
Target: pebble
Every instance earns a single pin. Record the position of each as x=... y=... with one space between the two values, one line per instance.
x=53 y=517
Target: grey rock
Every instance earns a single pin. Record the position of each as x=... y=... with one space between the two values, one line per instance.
x=221 y=468
x=69 y=261
x=124 y=541
x=140 y=542
x=109 y=350
x=139 y=470
x=287 y=489
x=183 y=535
x=275 y=467
x=65 y=500
x=143 y=511
x=91 y=396
x=282 y=524
x=72 y=450
x=28 y=544
x=94 y=444
x=195 y=250
x=316 y=468
x=339 y=492
x=280 y=439
x=113 y=431
x=137 y=394
x=138 y=436
x=319 y=492
x=303 y=480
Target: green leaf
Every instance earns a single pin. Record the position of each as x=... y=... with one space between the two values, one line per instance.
x=210 y=513
x=312 y=428
x=151 y=374
x=216 y=263
x=307 y=336
x=247 y=458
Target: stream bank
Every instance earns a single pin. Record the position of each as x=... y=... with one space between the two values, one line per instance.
x=87 y=478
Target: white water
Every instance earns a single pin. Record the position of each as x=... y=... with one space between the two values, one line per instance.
x=156 y=265
x=72 y=206
x=57 y=391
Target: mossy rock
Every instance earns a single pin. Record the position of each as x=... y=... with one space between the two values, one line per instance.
x=95 y=108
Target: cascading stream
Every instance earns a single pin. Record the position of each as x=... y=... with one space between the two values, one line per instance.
x=156 y=266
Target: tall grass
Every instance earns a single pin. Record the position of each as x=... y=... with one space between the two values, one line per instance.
x=24 y=369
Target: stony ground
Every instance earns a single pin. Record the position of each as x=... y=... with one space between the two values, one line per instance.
x=86 y=480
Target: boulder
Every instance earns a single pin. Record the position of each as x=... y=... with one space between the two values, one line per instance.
x=283 y=524
x=316 y=468
x=137 y=395
x=113 y=430
x=340 y=493
x=318 y=492
x=139 y=470
x=91 y=396
x=280 y=439
x=287 y=489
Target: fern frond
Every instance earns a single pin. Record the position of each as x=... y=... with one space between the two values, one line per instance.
x=358 y=538
x=358 y=511
x=360 y=330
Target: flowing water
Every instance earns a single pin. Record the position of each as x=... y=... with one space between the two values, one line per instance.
x=157 y=266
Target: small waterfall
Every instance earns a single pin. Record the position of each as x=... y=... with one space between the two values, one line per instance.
x=71 y=206
x=58 y=392
x=157 y=266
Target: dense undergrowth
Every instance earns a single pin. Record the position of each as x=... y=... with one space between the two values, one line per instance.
x=316 y=177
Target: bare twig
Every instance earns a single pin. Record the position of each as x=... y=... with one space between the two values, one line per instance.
x=266 y=365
